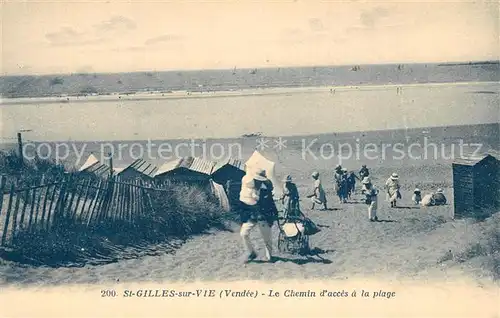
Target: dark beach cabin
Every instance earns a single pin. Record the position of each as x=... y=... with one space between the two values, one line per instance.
x=139 y=170
x=188 y=170
x=229 y=173
x=476 y=186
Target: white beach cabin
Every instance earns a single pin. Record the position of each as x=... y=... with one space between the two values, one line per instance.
x=258 y=161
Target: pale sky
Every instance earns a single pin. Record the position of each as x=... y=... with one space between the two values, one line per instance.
x=119 y=36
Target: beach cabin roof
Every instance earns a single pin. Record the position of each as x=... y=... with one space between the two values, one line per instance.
x=141 y=166
x=90 y=162
x=189 y=163
x=93 y=165
x=233 y=162
x=229 y=169
x=472 y=160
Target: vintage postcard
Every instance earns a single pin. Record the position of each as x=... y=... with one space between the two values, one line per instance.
x=250 y=158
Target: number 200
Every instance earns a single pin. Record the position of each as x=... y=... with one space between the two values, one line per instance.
x=108 y=293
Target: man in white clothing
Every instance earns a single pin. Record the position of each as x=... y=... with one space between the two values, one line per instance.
x=371 y=194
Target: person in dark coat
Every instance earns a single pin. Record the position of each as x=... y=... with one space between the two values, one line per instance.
x=364 y=172
x=339 y=180
x=351 y=184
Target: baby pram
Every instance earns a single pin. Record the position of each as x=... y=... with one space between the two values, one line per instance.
x=294 y=231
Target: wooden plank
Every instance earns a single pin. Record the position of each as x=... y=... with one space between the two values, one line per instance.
x=134 y=200
x=122 y=201
x=137 y=199
x=32 y=210
x=39 y=200
x=60 y=203
x=108 y=215
x=67 y=194
x=7 y=216
x=25 y=204
x=100 y=204
x=71 y=214
x=3 y=179
x=93 y=205
x=127 y=202
x=114 y=202
x=44 y=208
x=85 y=200
x=52 y=198
x=14 y=216
x=78 y=198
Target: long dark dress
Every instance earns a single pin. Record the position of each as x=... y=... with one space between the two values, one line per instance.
x=290 y=200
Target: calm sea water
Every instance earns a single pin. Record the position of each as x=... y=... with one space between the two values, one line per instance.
x=285 y=114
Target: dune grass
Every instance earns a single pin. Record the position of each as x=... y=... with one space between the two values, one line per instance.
x=483 y=249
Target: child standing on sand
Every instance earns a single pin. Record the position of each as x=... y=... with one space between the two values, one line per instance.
x=318 y=196
x=417 y=196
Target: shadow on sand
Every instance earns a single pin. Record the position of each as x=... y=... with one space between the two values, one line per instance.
x=314 y=256
x=407 y=207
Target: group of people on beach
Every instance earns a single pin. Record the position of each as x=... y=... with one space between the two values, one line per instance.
x=258 y=207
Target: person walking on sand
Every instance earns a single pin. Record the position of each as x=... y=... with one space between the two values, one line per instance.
x=351 y=184
x=290 y=197
x=318 y=196
x=371 y=194
x=344 y=186
x=251 y=212
x=363 y=172
x=338 y=176
x=392 y=187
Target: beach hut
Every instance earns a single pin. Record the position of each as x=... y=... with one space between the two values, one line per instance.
x=475 y=186
x=228 y=173
x=228 y=170
x=93 y=168
x=189 y=170
x=137 y=170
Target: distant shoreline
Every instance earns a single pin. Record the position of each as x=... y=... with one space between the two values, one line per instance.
x=183 y=94
x=209 y=81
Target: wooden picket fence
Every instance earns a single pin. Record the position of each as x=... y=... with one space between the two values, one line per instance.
x=86 y=202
